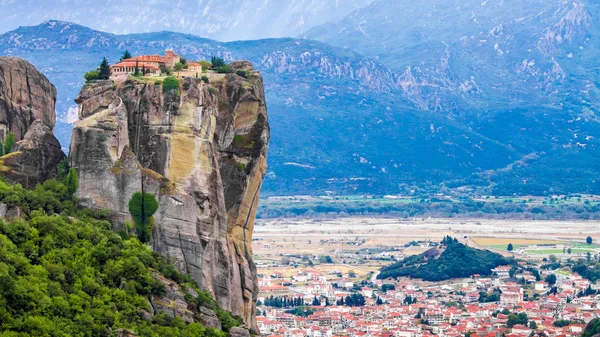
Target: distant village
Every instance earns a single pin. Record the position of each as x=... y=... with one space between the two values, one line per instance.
x=317 y=305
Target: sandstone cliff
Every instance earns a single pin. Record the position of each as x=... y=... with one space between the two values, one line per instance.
x=27 y=101
x=201 y=150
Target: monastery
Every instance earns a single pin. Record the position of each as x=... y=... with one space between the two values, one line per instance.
x=151 y=64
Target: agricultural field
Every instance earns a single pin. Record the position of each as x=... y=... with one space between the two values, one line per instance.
x=359 y=241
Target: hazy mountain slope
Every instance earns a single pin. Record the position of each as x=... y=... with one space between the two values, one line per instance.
x=338 y=120
x=221 y=20
x=457 y=55
x=523 y=73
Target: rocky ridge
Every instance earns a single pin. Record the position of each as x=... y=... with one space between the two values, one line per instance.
x=201 y=151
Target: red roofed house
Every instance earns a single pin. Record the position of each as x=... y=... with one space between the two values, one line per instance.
x=149 y=63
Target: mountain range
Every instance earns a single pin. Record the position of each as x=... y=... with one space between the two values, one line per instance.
x=492 y=95
x=223 y=20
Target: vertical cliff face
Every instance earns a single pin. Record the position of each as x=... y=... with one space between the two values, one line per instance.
x=201 y=150
x=25 y=95
x=27 y=101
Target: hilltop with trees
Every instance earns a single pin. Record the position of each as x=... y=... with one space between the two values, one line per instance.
x=456 y=260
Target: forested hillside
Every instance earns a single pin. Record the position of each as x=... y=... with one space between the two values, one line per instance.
x=65 y=272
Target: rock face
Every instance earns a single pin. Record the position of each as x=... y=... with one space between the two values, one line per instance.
x=27 y=101
x=201 y=151
x=25 y=95
x=34 y=159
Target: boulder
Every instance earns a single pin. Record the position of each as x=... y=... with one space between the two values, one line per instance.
x=239 y=332
x=33 y=159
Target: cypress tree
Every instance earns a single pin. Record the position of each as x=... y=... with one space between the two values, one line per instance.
x=9 y=141
x=142 y=207
x=72 y=182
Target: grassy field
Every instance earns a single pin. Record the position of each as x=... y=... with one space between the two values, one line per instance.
x=557 y=251
x=502 y=243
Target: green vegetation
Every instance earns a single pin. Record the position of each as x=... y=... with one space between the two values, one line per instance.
x=514 y=319
x=386 y=287
x=142 y=207
x=494 y=296
x=91 y=75
x=205 y=64
x=126 y=55
x=9 y=141
x=104 y=70
x=170 y=83
x=179 y=67
x=65 y=272
x=509 y=247
x=205 y=79
x=72 y=182
x=588 y=269
x=550 y=279
x=242 y=142
x=457 y=261
x=217 y=62
x=301 y=311
x=428 y=206
x=136 y=72
x=224 y=69
x=165 y=71
x=589 y=240
x=592 y=328
x=561 y=323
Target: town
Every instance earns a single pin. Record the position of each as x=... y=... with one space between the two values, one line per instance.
x=318 y=295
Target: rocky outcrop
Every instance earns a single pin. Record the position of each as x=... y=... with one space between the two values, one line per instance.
x=201 y=151
x=27 y=101
x=173 y=302
x=25 y=96
x=33 y=159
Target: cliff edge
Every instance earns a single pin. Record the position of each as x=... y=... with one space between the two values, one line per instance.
x=200 y=149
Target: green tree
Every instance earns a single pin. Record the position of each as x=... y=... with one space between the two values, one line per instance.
x=588 y=240
x=136 y=71
x=217 y=62
x=550 y=279
x=72 y=182
x=224 y=69
x=510 y=247
x=104 y=70
x=170 y=83
x=9 y=141
x=514 y=319
x=532 y=325
x=126 y=55
x=142 y=207
x=91 y=75
x=569 y=250
x=178 y=67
